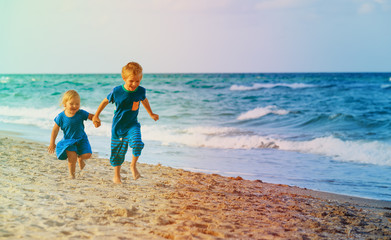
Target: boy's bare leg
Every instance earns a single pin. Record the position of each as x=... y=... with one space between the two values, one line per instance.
x=133 y=168
x=117 y=174
x=81 y=159
x=72 y=158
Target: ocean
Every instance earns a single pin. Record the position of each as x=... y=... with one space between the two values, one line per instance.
x=322 y=131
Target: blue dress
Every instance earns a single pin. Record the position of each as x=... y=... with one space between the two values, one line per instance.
x=75 y=139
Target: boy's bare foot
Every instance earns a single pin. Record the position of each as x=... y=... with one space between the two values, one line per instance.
x=117 y=180
x=82 y=164
x=117 y=175
x=135 y=173
x=72 y=176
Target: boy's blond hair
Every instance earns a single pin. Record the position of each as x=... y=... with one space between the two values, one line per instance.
x=131 y=68
x=68 y=95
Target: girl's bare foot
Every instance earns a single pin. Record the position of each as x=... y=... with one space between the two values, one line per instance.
x=72 y=176
x=82 y=164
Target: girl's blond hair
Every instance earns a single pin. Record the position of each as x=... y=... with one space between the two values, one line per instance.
x=131 y=68
x=68 y=95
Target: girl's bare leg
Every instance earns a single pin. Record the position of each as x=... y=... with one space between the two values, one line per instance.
x=81 y=159
x=117 y=174
x=72 y=158
x=133 y=168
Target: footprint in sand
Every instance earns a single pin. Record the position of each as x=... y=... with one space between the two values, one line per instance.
x=122 y=212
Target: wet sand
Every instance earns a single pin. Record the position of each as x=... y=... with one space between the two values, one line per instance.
x=38 y=201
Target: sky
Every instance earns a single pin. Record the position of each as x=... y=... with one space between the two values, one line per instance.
x=195 y=36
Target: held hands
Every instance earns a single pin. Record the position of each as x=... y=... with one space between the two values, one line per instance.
x=96 y=121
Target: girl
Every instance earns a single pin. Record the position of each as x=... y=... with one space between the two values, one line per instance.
x=74 y=145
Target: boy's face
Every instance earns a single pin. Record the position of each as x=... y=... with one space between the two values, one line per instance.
x=132 y=81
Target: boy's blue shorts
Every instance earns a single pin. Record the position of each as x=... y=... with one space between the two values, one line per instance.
x=119 y=146
x=80 y=146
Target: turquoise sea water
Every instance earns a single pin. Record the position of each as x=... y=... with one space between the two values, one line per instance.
x=323 y=131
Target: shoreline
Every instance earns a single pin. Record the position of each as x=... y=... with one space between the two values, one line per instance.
x=40 y=202
x=304 y=190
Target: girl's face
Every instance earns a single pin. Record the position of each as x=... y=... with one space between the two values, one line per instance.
x=72 y=105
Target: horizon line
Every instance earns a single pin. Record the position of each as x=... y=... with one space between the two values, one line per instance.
x=290 y=72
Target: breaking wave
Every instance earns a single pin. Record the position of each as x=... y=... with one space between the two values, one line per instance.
x=260 y=112
x=257 y=86
x=369 y=152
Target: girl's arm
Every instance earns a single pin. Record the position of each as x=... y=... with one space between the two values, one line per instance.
x=102 y=106
x=52 y=145
x=149 y=110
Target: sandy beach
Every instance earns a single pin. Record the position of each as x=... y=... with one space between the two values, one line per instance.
x=38 y=201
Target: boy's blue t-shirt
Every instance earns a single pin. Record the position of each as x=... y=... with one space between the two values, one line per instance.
x=73 y=127
x=127 y=105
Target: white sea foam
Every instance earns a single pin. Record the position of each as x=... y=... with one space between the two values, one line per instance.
x=230 y=138
x=370 y=152
x=4 y=79
x=43 y=118
x=257 y=86
x=104 y=130
x=208 y=137
x=260 y=112
x=209 y=130
x=355 y=151
x=28 y=112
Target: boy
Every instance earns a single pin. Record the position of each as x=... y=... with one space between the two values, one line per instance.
x=125 y=129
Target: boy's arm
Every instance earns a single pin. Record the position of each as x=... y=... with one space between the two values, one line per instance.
x=52 y=145
x=149 y=110
x=102 y=106
x=90 y=116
